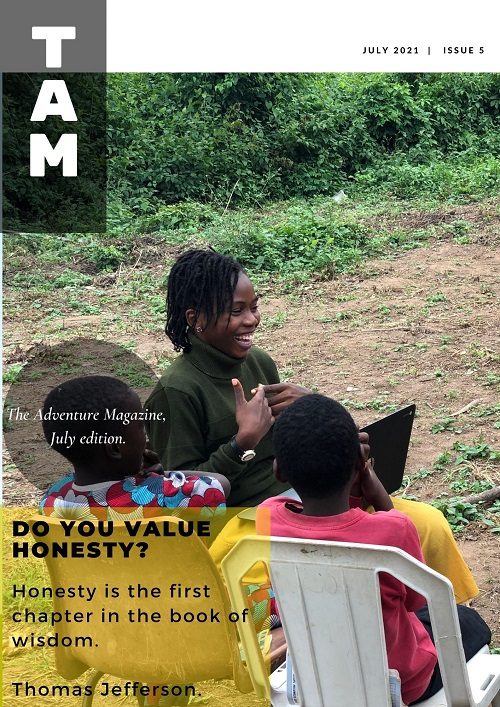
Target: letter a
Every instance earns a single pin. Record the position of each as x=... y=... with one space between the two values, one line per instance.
x=63 y=106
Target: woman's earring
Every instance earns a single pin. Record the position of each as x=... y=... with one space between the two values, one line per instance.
x=199 y=329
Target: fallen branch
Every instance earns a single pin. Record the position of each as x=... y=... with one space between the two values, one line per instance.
x=484 y=497
x=137 y=261
x=466 y=407
x=231 y=195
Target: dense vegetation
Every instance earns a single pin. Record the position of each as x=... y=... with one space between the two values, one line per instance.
x=250 y=138
x=299 y=177
x=208 y=153
x=284 y=171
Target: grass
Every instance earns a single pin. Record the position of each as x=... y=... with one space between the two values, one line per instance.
x=123 y=271
x=376 y=404
x=136 y=375
x=446 y=424
x=11 y=374
x=119 y=277
x=290 y=241
x=491 y=379
x=469 y=471
x=275 y=322
x=435 y=298
x=461 y=178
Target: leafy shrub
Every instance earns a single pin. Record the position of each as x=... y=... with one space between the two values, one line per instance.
x=104 y=257
x=301 y=238
x=457 y=512
x=244 y=138
x=462 y=178
x=184 y=215
x=71 y=278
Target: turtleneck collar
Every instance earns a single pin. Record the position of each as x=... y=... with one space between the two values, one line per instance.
x=213 y=362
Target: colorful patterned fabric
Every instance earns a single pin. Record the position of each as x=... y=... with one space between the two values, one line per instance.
x=262 y=604
x=134 y=497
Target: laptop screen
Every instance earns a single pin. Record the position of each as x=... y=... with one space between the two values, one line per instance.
x=389 y=442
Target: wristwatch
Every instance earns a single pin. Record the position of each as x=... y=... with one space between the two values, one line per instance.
x=243 y=455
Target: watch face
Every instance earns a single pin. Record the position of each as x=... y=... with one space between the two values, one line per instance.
x=248 y=455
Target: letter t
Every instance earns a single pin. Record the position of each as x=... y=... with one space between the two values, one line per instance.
x=53 y=48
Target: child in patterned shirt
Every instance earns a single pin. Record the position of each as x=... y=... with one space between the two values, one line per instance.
x=114 y=477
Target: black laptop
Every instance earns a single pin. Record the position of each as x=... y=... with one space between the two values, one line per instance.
x=389 y=442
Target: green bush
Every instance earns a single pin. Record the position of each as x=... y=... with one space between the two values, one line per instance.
x=244 y=138
x=461 y=177
x=301 y=237
x=71 y=278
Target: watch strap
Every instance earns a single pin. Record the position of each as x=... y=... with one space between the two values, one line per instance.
x=244 y=455
x=236 y=447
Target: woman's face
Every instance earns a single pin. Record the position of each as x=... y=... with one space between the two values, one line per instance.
x=233 y=332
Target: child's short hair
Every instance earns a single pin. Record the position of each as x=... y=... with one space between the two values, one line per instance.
x=316 y=445
x=84 y=406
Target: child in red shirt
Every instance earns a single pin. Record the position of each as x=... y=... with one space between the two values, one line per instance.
x=317 y=451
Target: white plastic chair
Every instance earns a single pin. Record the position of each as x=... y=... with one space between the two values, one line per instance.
x=329 y=600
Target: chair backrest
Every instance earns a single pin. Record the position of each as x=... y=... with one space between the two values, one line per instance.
x=150 y=652
x=329 y=600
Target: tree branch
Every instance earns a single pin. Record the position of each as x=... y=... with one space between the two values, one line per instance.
x=485 y=497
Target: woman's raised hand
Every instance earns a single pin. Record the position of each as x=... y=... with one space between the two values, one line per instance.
x=254 y=417
x=281 y=395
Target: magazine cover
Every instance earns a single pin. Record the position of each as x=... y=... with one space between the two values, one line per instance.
x=250 y=360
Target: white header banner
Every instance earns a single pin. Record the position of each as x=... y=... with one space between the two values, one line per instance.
x=316 y=36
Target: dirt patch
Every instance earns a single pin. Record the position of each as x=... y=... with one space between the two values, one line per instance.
x=420 y=328
x=479 y=214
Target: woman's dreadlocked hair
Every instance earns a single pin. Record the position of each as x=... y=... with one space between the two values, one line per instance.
x=202 y=280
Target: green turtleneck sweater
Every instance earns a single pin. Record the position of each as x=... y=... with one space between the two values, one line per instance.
x=196 y=399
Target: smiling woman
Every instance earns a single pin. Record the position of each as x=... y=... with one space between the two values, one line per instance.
x=213 y=421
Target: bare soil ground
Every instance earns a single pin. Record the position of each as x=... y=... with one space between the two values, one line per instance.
x=420 y=327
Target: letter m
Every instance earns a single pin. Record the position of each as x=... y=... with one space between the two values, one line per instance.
x=41 y=150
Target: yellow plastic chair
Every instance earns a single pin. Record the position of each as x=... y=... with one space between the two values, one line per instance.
x=178 y=654
x=329 y=600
